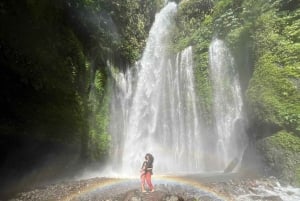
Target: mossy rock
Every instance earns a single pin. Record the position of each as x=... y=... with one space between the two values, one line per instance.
x=281 y=154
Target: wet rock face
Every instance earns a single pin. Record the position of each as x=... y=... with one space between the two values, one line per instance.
x=281 y=156
x=266 y=198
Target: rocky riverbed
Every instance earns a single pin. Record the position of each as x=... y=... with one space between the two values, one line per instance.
x=166 y=189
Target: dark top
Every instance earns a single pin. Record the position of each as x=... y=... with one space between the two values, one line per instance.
x=147 y=167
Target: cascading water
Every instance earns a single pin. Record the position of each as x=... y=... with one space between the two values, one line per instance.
x=154 y=109
x=158 y=113
x=229 y=119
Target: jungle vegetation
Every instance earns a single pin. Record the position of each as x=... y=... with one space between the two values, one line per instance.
x=264 y=38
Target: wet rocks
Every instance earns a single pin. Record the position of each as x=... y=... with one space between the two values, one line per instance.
x=128 y=190
x=58 y=191
x=265 y=198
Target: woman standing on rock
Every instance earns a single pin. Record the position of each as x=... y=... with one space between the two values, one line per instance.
x=146 y=172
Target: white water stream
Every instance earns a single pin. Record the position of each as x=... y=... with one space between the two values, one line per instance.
x=155 y=109
x=229 y=118
x=158 y=106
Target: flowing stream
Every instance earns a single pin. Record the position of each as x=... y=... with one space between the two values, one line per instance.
x=155 y=109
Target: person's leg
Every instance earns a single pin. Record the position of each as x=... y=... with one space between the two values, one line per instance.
x=148 y=180
x=143 y=178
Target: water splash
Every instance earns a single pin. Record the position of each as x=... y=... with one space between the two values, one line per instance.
x=229 y=118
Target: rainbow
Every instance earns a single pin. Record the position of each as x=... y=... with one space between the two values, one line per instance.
x=108 y=182
x=105 y=182
x=197 y=185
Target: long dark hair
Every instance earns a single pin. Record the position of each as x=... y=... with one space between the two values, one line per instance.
x=151 y=158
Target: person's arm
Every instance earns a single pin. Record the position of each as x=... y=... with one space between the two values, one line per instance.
x=143 y=169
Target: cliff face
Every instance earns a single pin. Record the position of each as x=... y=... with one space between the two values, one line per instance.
x=281 y=152
x=53 y=80
x=264 y=39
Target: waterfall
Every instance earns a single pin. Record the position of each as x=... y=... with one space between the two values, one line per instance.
x=229 y=118
x=154 y=109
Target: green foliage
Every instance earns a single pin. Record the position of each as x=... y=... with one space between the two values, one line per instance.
x=202 y=81
x=226 y=22
x=194 y=11
x=281 y=153
x=41 y=58
x=99 y=83
x=189 y=18
x=133 y=19
x=273 y=95
x=194 y=25
x=261 y=34
x=286 y=141
x=99 y=138
x=274 y=92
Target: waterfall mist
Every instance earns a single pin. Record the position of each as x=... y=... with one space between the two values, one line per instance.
x=154 y=109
